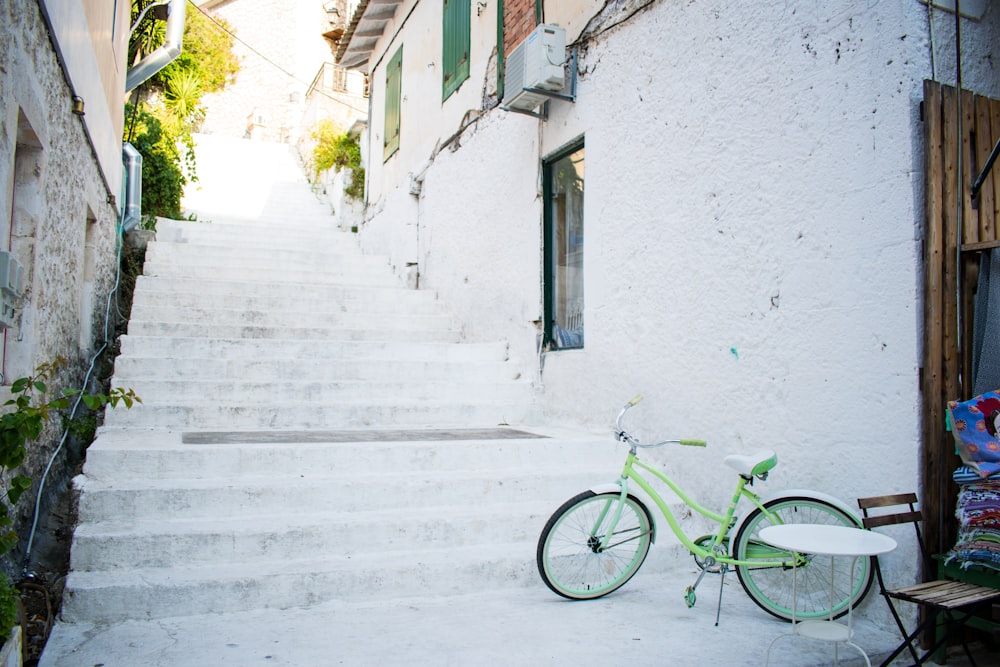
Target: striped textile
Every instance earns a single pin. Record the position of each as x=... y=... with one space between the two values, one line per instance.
x=978 y=514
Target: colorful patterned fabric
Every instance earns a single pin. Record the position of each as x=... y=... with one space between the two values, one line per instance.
x=966 y=475
x=978 y=514
x=975 y=424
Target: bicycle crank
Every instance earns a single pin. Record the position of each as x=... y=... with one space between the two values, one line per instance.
x=709 y=564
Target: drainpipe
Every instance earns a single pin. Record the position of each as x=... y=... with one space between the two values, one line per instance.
x=132 y=160
x=170 y=49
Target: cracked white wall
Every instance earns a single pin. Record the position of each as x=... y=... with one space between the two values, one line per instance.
x=753 y=221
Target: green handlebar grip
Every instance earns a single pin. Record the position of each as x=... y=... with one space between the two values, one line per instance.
x=694 y=443
x=636 y=399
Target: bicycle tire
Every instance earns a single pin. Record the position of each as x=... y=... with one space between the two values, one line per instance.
x=569 y=561
x=771 y=587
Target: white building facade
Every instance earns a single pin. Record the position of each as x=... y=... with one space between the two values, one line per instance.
x=744 y=244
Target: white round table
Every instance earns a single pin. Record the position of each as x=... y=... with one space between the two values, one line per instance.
x=832 y=541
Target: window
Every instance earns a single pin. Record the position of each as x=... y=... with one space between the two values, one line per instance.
x=563 y=189
x=457 y=21
x=393 y=98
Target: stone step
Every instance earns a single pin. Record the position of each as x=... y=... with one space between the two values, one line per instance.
x=110 y=597
x=305 y=369
x=161 y=454
x=309 y=237
x=254 y=260
x=252 y=331
x=252 y=275
x=310 y=254
x=300 y=234
x=163 y=543
x=235 y=295
x=160 y=286
x=136 y=349
x=283 y=414
x=330 y=319
x=460 y=389
x=255 y=496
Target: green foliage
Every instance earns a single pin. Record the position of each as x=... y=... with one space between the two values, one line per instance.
x=162 y=130
x=183 y=95
x=337 y=149
x=162 y=178
x=29 y=410
x=9 y=614
x=207 y=50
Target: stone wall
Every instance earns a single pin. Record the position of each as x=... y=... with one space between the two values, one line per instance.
x=58 y=218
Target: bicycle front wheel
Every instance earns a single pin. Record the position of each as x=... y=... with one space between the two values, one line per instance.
x=570 y=557
x=770 y=586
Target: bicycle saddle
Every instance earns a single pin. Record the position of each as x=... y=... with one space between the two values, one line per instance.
x=757 y=463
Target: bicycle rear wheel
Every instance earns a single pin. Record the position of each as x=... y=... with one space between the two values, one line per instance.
x=771 y=586
x=570 y=558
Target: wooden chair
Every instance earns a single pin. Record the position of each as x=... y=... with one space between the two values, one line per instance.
x=952 y=601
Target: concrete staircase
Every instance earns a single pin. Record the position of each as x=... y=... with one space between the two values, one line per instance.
x=310 y=429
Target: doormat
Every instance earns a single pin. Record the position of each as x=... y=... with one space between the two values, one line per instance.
x=285 y=437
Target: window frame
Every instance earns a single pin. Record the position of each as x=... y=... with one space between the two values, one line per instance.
x=549 y=272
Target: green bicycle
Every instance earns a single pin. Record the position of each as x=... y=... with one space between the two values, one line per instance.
x=597 y=540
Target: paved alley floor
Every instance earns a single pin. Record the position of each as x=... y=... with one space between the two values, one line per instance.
x=645 y=623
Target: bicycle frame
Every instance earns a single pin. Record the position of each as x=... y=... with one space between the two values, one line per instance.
x=725 y=521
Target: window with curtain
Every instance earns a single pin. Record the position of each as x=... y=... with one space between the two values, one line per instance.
x=563 y=187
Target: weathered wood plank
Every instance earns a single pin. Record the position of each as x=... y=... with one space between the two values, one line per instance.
x=970 y=278
x=994 y=234
x=970 y=215
x=984 y=145
x=934 y=371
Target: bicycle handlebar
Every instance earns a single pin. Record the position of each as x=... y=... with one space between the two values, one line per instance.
x=623 y=436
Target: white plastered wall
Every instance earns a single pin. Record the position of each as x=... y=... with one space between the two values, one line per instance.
x=753 y=217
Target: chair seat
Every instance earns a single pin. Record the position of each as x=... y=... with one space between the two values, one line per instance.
x=945 y=594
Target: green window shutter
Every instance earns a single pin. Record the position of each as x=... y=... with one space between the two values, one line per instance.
x=455 y=57
x=393 y=97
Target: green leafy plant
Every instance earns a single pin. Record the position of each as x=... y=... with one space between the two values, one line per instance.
x=28 y=411
x=336 y=149
x=162 y=177
x=9 y=608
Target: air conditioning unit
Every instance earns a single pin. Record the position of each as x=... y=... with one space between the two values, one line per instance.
x=535 y=63
x=11 y=274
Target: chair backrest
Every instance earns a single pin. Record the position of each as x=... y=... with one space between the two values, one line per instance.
x=903 y=510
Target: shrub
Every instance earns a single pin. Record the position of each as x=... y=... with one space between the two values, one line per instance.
x=337 y=149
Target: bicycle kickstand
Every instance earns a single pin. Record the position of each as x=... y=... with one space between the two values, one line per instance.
x=689 y=592
x=722 y=581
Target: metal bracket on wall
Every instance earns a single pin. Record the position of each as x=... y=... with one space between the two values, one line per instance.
x=559 y=95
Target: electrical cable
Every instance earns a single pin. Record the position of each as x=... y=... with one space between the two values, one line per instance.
x=278 y=67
